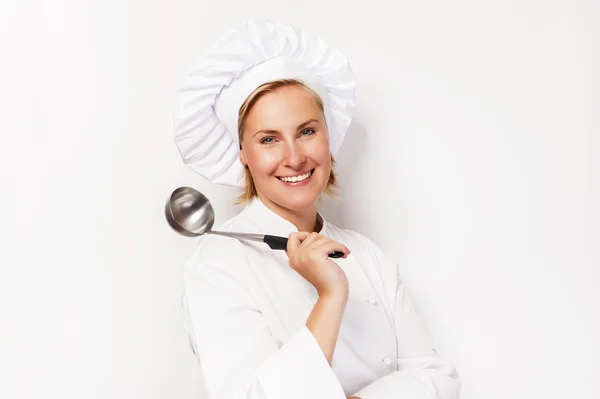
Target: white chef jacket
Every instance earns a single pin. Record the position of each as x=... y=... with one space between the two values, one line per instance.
x=245 y=311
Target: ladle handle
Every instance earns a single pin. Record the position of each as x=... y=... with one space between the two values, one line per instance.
x=276 y=242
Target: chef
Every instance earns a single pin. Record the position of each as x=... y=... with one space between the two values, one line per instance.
x=266 y=109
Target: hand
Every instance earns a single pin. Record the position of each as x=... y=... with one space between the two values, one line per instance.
x=309 y=256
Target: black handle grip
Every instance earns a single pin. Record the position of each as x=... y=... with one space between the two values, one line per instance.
x=336 y=254
x=276 y=242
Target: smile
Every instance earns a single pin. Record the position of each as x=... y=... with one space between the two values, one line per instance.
x=296 y=179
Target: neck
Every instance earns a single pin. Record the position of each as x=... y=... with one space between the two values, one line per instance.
x=304 y=220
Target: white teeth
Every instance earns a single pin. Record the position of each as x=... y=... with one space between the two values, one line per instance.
x=295 y=179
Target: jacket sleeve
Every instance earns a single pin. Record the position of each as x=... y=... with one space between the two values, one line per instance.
x=420 y=373
x=238 y=356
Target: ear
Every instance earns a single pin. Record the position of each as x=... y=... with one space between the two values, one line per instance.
x=243 y=159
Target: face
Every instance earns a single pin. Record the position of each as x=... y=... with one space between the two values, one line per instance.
x=285 y=144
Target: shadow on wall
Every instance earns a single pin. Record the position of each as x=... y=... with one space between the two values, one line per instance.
x=348 y=159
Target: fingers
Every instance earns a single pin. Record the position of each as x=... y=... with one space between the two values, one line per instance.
x=332 y=246
x=313 y=238
x=303 y=238
x=314 y=241
x=296 y=239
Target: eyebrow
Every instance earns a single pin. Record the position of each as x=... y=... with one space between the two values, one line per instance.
x=300 y=126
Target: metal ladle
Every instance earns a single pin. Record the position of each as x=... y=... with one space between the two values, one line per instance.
x=190 y=214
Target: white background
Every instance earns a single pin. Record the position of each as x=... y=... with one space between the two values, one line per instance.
x=473 y=159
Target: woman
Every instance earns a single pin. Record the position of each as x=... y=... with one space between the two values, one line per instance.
x=267 y=108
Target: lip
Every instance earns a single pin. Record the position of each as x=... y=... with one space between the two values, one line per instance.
x=299 y=183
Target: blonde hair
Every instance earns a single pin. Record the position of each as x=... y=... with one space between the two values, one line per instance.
x=249 y=189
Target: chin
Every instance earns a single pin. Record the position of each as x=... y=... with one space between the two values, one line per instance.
x=298 y=203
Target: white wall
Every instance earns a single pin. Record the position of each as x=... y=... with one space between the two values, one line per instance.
x=473 y=159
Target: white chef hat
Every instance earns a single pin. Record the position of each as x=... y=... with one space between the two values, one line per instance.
x=207 y=104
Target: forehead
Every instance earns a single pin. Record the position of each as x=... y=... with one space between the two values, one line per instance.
x=285 y=106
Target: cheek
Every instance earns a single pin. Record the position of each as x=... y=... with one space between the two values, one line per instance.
x=261 y=161
x=319 y=150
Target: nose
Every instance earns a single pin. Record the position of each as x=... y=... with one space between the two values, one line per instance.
x=294 y=156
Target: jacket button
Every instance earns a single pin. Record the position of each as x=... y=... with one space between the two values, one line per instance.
x=372 y=301
x=387 y=361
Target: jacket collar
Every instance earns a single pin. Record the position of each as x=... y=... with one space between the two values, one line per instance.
x=270 y=222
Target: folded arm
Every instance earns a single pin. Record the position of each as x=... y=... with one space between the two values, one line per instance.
x=420 y=372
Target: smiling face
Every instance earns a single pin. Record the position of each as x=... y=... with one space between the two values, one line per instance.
x=285 y=145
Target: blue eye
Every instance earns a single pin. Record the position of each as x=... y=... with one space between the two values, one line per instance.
x=308 y=132
x=267 y=140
